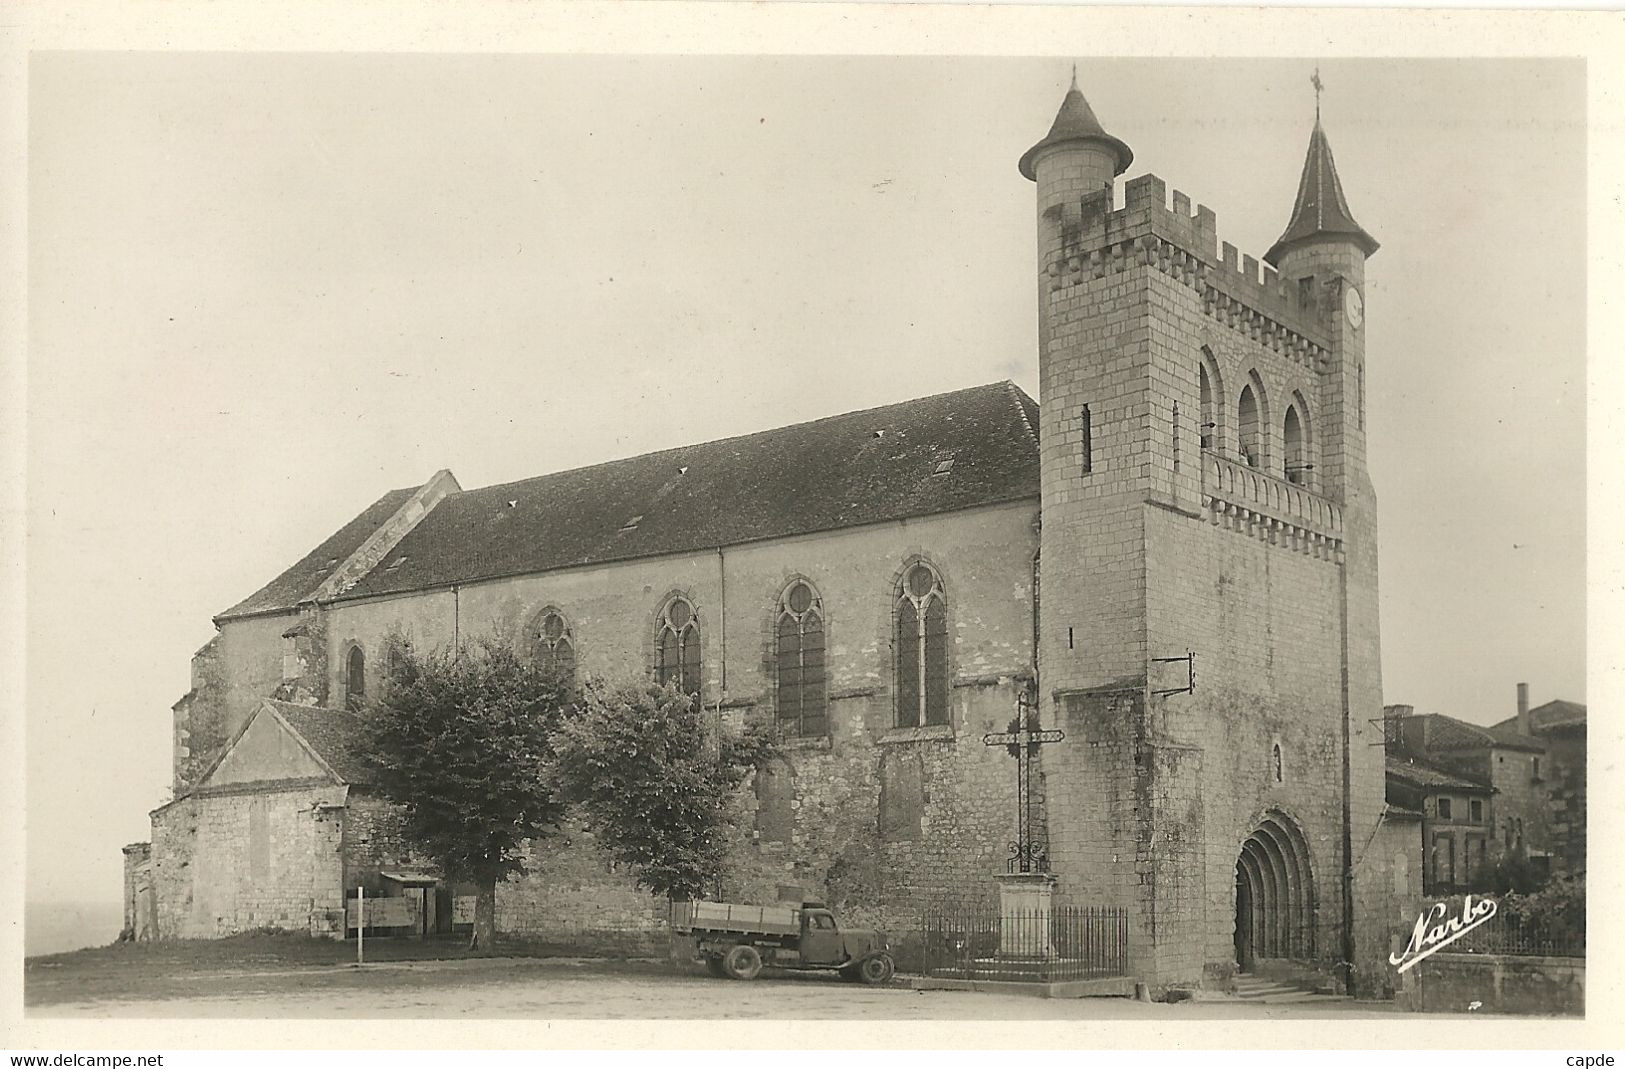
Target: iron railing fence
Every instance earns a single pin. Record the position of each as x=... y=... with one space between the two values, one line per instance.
x=1063 y=943
x=1509 y=935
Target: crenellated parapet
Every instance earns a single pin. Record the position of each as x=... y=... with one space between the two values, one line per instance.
x=1246 y=297
x=1245 y=499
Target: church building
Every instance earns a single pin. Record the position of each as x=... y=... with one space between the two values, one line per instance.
x=1173 y=550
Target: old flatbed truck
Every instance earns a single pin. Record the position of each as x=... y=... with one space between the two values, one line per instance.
x=736 y=940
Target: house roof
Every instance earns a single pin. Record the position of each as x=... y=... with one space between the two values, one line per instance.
x=300 y=581
x=937 y=454
x=332 y=734
x=1428 y=778
x=1554 y=714
x=1320 y=208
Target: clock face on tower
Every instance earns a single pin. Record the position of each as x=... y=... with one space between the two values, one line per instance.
x=1354 y=307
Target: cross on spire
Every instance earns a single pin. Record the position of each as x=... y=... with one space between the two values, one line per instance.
x=1074 y=76
x=1316 y=82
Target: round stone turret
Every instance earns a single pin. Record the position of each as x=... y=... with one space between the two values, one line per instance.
x=1077 y=132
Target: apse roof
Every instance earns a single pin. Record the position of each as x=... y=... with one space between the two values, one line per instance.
x=300 y=581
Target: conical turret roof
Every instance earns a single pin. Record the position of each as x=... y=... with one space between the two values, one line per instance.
x=1075 y=122
x=1321 y=208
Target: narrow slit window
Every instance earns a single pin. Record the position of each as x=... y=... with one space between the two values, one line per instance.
x=1088 y=441
x=1176 y=435
x=355 y=681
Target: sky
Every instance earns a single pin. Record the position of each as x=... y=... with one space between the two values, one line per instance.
x=264 y=289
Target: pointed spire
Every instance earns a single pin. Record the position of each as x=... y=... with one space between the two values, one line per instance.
x=1076 y=122
x=1321 y=208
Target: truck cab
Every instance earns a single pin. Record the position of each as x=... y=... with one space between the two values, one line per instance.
x=821 y=940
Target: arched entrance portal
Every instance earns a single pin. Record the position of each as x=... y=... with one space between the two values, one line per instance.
x=1275 y=895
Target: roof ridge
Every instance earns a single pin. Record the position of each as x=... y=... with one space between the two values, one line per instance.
x=748 y=434
x=1016 y=393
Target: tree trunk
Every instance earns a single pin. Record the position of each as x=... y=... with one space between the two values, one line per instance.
x=485 y=916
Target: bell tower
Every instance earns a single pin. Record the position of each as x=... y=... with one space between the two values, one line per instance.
x=1322 y=254
x=1204 y=488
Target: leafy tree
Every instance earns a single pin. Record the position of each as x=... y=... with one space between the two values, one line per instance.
x=1512 y=874
x=460 y=740
x=1556 y=913
x=653 y=782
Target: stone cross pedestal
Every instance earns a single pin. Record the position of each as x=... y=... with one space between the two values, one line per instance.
x=1024 y=907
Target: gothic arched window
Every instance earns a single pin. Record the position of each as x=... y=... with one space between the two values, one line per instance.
x=677 y=648
x=555 y=645
x=1207 y=408
x=1211 y=384
x=1251 y=427
x=1292 y=439
x=355 y=678
x=922 y=649
x=802 y=696
x=1277 y=768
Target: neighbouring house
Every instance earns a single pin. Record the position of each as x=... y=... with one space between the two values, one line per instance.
x=1458 y=823
x=1535 y=766
x=1561 y=725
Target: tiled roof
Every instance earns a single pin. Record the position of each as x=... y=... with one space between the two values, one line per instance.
x=300 y=581
x=1432 y=779
x=332 y=733
x=1513 y=739
x=1554 y=714
x=937 y=454
x=1448 y=733
x=1320 y=207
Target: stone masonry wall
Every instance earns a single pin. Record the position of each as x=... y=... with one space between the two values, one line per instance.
x=1567 y=749
x=1262 y=610
x=877 y=818
x=374 y=841
x=1140 y=562
x=200 y=727
x=237 y=668
x=139 y=915
x=249 y=858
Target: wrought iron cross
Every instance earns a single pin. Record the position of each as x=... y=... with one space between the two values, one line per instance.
x=1022 y=740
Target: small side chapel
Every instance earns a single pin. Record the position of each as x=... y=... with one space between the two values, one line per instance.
x=1192 y=478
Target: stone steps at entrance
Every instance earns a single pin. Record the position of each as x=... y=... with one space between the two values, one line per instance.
x=1270 y=990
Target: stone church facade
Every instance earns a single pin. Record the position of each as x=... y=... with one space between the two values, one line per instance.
x=884 y=586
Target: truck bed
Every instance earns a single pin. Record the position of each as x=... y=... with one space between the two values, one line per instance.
x=733 y=917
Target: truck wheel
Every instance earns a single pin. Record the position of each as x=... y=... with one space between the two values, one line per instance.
x=876 y=969
x=713 y=965
x=743 y=962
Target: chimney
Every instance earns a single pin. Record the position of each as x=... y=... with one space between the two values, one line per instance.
x=1523 y=709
